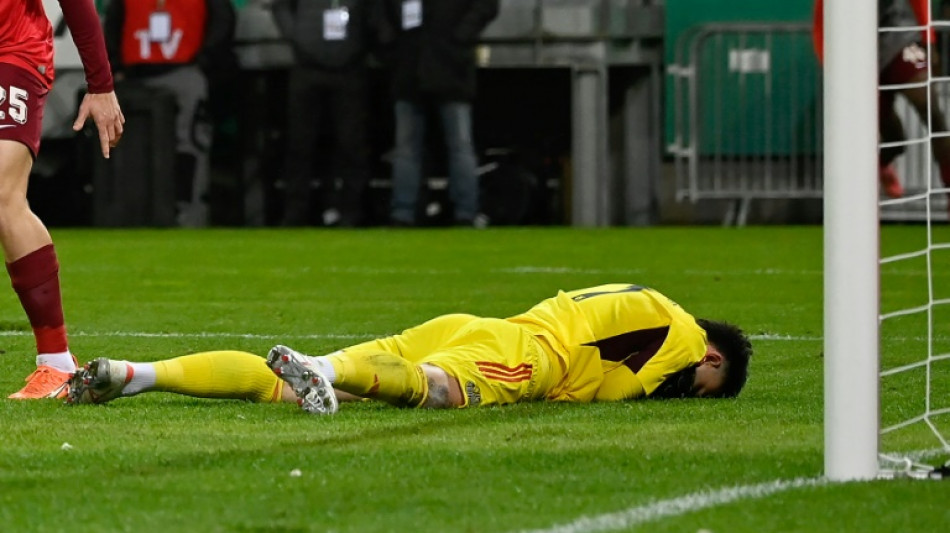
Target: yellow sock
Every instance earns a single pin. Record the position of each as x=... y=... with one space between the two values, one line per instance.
x=380 y=375
x=221 y=374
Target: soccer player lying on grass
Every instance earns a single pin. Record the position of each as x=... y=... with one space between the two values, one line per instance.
x=607 y=343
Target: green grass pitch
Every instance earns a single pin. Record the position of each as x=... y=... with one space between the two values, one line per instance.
x=161 y=462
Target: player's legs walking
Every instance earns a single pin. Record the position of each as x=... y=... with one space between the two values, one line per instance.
x=27 y=247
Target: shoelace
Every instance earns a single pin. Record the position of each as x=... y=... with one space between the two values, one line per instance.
x=42 y=379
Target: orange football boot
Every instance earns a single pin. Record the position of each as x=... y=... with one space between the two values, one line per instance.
x=890 y=183
x=44 y=382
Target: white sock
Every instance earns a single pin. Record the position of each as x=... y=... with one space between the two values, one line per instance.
x=60 y=361
x=323 y=364
x=143 y=378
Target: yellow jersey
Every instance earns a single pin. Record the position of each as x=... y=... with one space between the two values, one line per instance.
x=614 y=342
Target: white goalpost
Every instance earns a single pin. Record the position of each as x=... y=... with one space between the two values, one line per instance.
x=851 y=235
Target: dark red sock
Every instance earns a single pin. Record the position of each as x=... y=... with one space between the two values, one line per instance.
x=35 y=278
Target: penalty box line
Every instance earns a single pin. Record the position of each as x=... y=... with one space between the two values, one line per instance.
x=678 y=506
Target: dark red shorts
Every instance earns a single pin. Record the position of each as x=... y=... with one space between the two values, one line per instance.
x=22 y=98
x=905 y=65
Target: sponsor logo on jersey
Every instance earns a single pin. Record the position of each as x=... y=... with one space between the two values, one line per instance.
x=474 y=395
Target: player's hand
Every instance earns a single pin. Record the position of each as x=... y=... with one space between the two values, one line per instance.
x=105 y=112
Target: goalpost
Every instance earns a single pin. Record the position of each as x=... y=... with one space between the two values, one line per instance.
x=852 y=293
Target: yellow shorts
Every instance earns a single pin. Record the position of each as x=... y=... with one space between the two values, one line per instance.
x=495 y=361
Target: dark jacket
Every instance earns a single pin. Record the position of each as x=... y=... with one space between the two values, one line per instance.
x=438 y=58
x=301 y=23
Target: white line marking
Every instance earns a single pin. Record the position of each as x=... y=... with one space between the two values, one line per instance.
x=198 y=335
x=223 y=335
x=780 y=337
x=351 y=336
x=815 y=338
x=678 y=506
x=528 y=269
x=536 y=269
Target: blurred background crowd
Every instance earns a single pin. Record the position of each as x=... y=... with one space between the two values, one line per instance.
x=354 y=113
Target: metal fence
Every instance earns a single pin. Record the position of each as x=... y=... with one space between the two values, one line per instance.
x=746 y=114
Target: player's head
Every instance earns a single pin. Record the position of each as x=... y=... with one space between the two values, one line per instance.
x=722 y=371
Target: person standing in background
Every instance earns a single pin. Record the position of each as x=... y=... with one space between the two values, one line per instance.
x=329 y=84
x=434 y=66
x=26 y=76
x=168 y=44
x=902 y=60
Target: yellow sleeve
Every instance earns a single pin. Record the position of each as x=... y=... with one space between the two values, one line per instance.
x=620 y=383
x=684 y=347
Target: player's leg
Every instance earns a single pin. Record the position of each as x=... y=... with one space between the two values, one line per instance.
x=419 y=341
x=34 y=273
x=918 y=98
x=382 y=376
x=496 y=362
x=217 y=374
x=484 y=362
x=465 y=360
x=386 y=369
x=891 y=130
x=27 y=247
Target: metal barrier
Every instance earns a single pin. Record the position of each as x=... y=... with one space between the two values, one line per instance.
x=747 y=114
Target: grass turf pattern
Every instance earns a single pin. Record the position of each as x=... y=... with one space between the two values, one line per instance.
x=160 y=462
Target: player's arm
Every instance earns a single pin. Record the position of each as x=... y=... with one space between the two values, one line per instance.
x=100 y=102
x=619 y=384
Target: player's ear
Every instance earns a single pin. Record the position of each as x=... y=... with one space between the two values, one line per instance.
x=712 y=357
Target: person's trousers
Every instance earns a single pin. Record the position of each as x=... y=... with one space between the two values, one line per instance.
x=193 y=131
x=318 y=99
x=409 y=157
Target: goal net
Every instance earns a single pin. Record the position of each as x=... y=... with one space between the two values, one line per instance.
x=887 y=289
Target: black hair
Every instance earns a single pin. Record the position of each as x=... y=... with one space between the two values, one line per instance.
x=735 y=348
x=677 y=385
